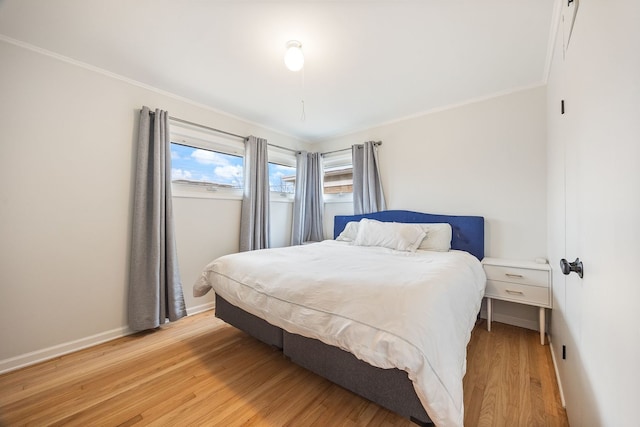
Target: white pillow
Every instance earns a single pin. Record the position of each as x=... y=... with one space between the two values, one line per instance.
x=438 y=237
x=392 y=235
x=349 y=233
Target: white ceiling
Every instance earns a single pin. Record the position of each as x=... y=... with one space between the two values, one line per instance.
x=366 y=62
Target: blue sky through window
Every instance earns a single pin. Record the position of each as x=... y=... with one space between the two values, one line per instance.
x=278 y=175
x=196 y=164
x=200 y=165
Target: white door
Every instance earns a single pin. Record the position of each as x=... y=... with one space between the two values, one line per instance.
x=563 y=165
x=599 y=80
x=563 y=186
x=573 y=284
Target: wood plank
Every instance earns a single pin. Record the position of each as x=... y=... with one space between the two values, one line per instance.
x=201 y=371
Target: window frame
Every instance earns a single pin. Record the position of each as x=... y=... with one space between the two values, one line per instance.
x=282 y=157
x=332 y=161
x=191 y=136
x=196 y=137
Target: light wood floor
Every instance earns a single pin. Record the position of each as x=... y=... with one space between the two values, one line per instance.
x=199 y=371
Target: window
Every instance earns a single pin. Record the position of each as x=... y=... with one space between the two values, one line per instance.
x=205 y=164
x=338 y=180
x=282 y=173
x=208 y=168
x=338 y=175
x=210 y=165
x=282 y=178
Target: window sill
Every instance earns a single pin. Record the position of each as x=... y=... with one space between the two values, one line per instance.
x=280 y=197
x=199 y=193
x=205 y=195
x=338 y=198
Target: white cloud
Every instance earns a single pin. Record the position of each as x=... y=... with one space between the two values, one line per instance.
x=180 y=174
x=206 y=157
x=229 y=173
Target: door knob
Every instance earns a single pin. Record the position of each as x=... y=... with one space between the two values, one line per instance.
x=576 y=266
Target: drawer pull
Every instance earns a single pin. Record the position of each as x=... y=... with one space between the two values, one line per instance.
x=514 y=276
x=509 y=291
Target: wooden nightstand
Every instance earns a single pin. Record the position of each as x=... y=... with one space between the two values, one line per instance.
x=523 y=282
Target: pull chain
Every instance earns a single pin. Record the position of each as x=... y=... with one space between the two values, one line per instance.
x=303 y=115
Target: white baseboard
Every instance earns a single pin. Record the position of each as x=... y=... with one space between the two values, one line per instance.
x=200 y=308
x=37 y=356
x=555 y=368
x=48 y=353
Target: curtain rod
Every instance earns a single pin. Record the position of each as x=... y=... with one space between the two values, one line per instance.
x=176 y=119
x=346 y=149
x=284 y=148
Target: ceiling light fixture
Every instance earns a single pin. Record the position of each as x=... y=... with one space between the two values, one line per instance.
x=293 y=57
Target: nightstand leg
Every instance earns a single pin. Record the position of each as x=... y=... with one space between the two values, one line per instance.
x=542 y=326
x=489 y=313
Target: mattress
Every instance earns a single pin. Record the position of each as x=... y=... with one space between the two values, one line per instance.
x=408 y=310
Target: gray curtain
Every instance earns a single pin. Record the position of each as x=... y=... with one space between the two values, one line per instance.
x=308 y=204
x=254 y=221
x=155 y=290
x=367 y=187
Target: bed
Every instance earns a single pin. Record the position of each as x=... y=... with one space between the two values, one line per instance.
x=386 y=317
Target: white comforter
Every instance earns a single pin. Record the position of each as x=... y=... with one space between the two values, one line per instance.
x=412 y=311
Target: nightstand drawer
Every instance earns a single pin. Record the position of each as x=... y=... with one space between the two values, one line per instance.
x=522 y=276
x=525 y=294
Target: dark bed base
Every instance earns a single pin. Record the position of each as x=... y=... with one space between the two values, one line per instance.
x=253 y=325
x=389 y=388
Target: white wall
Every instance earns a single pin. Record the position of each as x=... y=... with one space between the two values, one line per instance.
x=67 y=135
x=331 y=209
x=594 y=212
x=281 y=218
x=485 y=158
x=205 y=229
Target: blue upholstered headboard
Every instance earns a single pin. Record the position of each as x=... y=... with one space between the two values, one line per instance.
x=468 y=231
